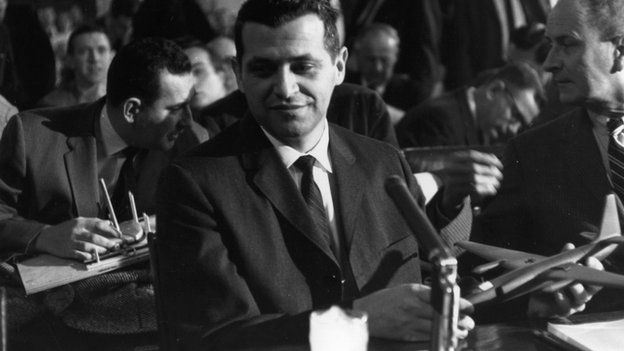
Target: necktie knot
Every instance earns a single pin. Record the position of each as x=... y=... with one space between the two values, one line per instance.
x=305 y=163
x=613 y=124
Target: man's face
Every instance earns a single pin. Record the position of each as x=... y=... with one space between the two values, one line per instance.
x=288 y=77
x=91 y=57
x=580 y=60
x=209 y=84
x=159 y=123
x=508 y=110
x=376 y=57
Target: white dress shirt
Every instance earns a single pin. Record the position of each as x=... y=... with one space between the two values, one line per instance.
x=320 y=172
x=601 y=133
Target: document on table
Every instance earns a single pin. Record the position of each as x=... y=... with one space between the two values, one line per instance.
x=595 y=336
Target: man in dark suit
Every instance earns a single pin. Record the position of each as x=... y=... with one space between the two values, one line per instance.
x=376 y=52
x=488 y=113
x=351 y=106
x=51 y=160
x=557 y=175
x=251 y=240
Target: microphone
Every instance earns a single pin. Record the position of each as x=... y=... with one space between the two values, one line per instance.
x=416 y=219
x=444 y=289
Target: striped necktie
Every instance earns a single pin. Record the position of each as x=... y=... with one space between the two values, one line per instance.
x=616 y=156
x=313 y=199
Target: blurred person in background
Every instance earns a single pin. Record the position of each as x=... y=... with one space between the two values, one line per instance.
x=225 y=50
x=88 y=57
x=489 y=112
x=207 y=73
x=376 y=52
x=118 y=21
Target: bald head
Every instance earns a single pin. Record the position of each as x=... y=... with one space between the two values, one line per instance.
x=376 y=52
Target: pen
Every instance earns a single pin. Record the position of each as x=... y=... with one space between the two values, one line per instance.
x=109 y=204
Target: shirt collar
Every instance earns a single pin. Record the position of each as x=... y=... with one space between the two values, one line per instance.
x=110 y=139
x=599 y=122
x=289 y=155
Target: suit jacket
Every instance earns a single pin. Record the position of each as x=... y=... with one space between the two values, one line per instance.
x=49 y=174
x=554 y=188
x=239 y=259
x=353 y=107
x=400 y=92
x=443 y=121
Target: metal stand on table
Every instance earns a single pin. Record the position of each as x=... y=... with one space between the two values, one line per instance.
x=444 y=289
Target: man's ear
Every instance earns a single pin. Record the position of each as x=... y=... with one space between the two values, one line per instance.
x=341 y=64
x=494 y=87
x=618 y=54
x=236 y=67
x=131 y=108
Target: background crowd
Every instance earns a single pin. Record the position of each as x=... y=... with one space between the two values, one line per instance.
x=418 y=55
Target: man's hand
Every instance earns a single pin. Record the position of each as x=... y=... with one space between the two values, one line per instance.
x=404 y=313
x=566 y=301
x=77 y=238
x=466 y=173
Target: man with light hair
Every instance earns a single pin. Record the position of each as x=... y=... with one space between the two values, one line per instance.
x=556 y=176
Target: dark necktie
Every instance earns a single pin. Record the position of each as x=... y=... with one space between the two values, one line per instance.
x=314 y=200
x=616 y=158
x=125 y=182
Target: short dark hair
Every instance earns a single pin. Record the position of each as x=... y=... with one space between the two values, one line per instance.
x=274 y=13
x=135 y=70
x=84 y=29
x=520 y=75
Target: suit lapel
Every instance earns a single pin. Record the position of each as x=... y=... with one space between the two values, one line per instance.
x=81 y=162
x=274 y=181
x=350 y=185
x=579 y=140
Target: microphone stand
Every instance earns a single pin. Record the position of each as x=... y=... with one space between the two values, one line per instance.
x=444 y=289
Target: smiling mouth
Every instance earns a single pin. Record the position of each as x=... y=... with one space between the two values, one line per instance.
x=286 y=108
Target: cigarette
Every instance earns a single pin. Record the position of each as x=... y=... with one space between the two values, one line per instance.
x=97 y=256
x=109 y=204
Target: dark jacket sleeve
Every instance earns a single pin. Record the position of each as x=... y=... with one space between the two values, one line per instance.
x=16 y=232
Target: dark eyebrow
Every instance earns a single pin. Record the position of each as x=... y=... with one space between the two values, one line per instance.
x=262 y=60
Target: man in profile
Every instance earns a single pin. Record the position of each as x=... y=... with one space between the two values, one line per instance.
x=557 y=175
x=50 y=200
x=488 y=113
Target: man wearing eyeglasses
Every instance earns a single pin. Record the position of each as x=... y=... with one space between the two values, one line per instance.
x=496 y=108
